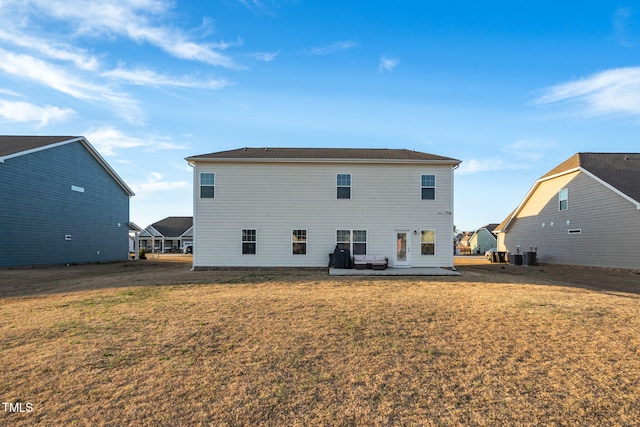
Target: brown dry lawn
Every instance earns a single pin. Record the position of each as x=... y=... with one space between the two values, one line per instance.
x=153 y=343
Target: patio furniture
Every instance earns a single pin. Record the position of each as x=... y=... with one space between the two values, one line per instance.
x=376 y=262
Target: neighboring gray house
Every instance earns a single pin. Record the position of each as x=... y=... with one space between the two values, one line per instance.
x=60 y=203
x=171 y=234
x=291 y=207
x=483 y=239
x=586 y=211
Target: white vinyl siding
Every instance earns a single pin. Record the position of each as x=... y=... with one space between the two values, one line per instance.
x=386 y=201
x=605 y=221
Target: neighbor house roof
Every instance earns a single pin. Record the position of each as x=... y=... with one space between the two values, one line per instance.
x=12 y=146
x=489 y=228
x=618 y=171
x=173 y=226
x=322 y=154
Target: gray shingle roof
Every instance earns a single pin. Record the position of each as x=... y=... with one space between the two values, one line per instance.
x=323 y=154
x=620 y=170
x=11 y=144
x=173 y=226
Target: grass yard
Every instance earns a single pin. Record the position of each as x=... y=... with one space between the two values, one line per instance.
x=152 y=343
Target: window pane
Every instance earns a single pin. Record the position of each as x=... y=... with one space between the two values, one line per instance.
x=359 y=235
x=428 y=180
x=248 y=249
x=207 y=179
x=344 y=192
x=248 y=235
x=427 y=249
x=299 y=236
x=359 y=248
x=299 y=248
x=428 y=236
x=428 y=194
x=343 y=236
x=344 y=179
x=207 y=192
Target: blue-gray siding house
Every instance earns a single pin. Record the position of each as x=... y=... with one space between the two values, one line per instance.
x=60 y=203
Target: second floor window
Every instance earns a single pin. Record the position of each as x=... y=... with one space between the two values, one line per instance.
x=563 y=197
x=344 y=186
x=428 y=187
x=207 y=185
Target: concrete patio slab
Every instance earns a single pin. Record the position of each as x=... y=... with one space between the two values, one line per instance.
x=417 y=271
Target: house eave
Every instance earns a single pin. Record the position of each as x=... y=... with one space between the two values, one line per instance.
x=195 y=160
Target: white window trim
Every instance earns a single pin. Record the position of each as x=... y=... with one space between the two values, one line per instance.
x=435 y=185
x=351 y=238
x=306 y=230
x=200 y=186
x=560 y=200
x=350 y=186
x=242 y=241
x=435 y=239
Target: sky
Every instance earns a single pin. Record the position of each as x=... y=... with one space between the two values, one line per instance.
x=510 y=88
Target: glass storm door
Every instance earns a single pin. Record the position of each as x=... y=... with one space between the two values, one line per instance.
x=403 y=249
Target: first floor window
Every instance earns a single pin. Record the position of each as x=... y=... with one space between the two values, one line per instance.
x=359 y=242
x=428 y=242
x=207 y=185
x=343 y=239
x=299 y=242
x=563 y=197
x=249 y=240
x=353 y=240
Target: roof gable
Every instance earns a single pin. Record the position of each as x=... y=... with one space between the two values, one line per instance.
x=19 y=145
x=14 y=144
x=322 y=154
x=173 y=226
x=618 y=171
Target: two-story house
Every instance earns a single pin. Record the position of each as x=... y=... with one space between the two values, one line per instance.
x=291 y=207
x=60 y=203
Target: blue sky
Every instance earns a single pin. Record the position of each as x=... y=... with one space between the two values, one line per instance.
x=510 y=88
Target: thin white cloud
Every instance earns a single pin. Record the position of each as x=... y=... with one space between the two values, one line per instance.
x=138 y=20
x=263 y=56
x=108 y=140
x=332 y=48
x=57 y=51
x=387 y=64
x=20 y=111
x=60 y=79
x=623 y=27
x=615 y=91
x=528 y=149
x=520 y=155
x=156 y=182
x=143 y=77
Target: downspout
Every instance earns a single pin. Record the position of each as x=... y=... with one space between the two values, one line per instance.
x=453 y=267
